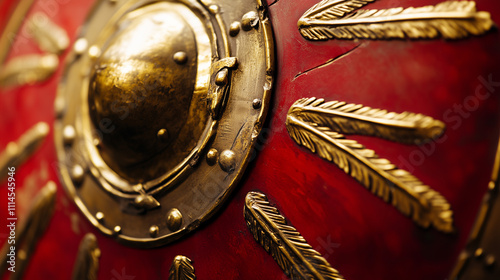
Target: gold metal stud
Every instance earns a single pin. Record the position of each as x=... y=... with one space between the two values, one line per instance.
x=117 y=229
x=478 y=253
x=491 y=186
x=94 y=52
x=99 y=216
x=69 y=134
x=59 y=107
x=257 y=103
x=163 y=135
x=153 y=231
x=174 y=219
x=180 y=57
x=489 y=261
x=227 y=160
x=80 y=46
x=234 y=28
x=214 y=9
x=212 y=156
x=77 y=174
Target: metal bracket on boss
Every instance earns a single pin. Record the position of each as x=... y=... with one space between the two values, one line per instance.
x=154 y=95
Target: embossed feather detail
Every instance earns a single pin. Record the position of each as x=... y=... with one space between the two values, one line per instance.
x=406 y=127
x=332 y=9
x=283 y=242
x=87 y=260
x=335 y=19
x=34 y=225
x=403 y=190
x=181 y=269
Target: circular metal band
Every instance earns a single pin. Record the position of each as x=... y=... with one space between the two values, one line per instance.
x=233 y=74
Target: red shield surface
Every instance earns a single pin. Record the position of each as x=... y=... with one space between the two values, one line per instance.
x=368 y=191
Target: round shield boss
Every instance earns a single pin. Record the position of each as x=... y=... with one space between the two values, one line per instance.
x=158 y=111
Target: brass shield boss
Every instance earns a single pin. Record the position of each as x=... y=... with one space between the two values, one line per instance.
x=158 y=110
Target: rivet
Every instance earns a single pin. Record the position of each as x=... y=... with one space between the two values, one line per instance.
x=69 y=134
x=489 y=261
x=77 y=174
x=180 y=57
x=99 y=216
x=80 y=46
x=227 y=160
x=117 y=229
x=174 y=219
x=214 y=9
x=212 y=156
x=59 y=107
x=94 y=52
x=257 y=103
x=249 y=21
x=478 y=253
x=234 y=28
x=162 y=135
x=491 y=186
x=22 y=254
x=221 y=77
x=153 y=231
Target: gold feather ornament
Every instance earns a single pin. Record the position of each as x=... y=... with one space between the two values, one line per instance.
x=341 y=19
x=181 y=269
x=317 y=126
x=283 y=242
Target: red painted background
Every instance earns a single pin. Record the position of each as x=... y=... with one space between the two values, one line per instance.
x=359 y=234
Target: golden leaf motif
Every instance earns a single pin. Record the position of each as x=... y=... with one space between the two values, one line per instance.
x=181 y=269
x=338 y=19
x=32 y=229
x=17 y=152
x=285 y=244
x=87 y=261
x=318 y=126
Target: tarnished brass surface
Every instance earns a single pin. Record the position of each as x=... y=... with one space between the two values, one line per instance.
x=149 y=89
x=87 y=261
x=318 y=126
x=17 y=152
x=181 y=269
x=285 y=244
x=341 y=19
x=31 y=230
x=145 y=98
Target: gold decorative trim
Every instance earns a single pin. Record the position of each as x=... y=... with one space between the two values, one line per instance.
x=408 y=128
x=16 y=153
x=31 y=230
x=32 y=68
x=283 y=242
x=338 y=19
x=28 y=69
x=49 y=36
x=317 y=126
x=87 y=260
x=181 y=269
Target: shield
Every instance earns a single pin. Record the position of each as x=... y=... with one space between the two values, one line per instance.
x=183 y=139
